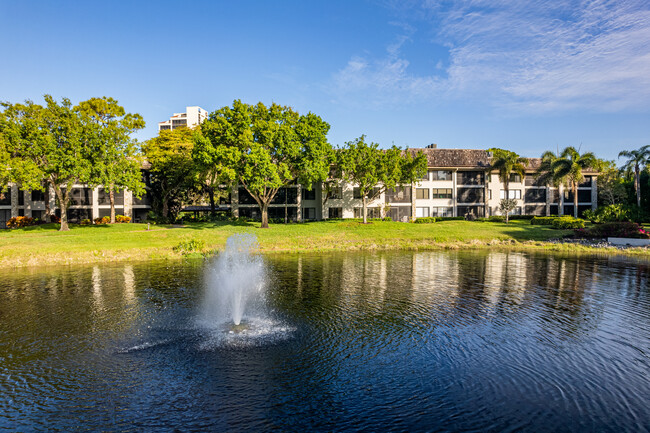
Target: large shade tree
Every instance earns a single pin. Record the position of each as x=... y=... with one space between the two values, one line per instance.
x=506 y=163
x=374 y=170
x=568 y=169
x=173 y=175
x=636 y=159
x=53 y=144
x=116 y=165
x=264 y=148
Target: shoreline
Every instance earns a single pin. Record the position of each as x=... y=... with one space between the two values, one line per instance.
x=144 y=255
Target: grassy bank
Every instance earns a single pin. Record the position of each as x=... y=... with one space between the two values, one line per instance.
x=45 y=245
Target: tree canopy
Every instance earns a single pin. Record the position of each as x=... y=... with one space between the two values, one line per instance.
x=264 y=149
x=568 y=170
x=374 y=170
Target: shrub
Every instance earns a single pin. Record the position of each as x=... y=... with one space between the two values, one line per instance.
x=522 y=217
x=623 y=229
x=20 y=222
x=543 y=221
x=458 y=218
x=188 y=246
x=55 y=219
x=610 y=213
x=85 y=222
x=425 y=220
x=565 y=223
x=103 y=220
x=497 y=219
x=122 y=219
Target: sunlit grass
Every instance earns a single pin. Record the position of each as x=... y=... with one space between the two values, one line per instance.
x=44 y=245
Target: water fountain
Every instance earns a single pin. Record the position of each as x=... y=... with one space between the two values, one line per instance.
x=235 y=283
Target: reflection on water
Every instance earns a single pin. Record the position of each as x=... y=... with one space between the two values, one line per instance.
x=392 y=341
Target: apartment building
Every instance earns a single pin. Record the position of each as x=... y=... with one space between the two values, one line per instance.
x=192 y=117
x=458 y=182
x=85 y=203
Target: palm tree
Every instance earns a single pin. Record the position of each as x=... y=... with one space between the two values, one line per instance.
x=636 y=158
x=568 y=170
x=546 y=175
x=507 y=162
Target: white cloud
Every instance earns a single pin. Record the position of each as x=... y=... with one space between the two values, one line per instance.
x=536 y=56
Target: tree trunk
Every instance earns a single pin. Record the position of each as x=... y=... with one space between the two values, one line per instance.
x=213 y=211
x=264 y=207
x=575 y=199
x=63 y=205
x=506 y=185
x=365 y=214
x=413 y=195
x=165 y=210
x=111 y=198
x=48 y=211
x=637 y=185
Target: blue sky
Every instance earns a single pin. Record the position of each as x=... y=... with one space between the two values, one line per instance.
x=527 y=76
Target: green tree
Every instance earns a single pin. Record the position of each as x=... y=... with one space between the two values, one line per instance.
x=173 y=176
x=635 y=160
x=374 y=170
x=611 y=186
x=568 y=170
x=506 y=162
x=115 y=163
x=53 y=142
x=546 y=175
x=266 y=148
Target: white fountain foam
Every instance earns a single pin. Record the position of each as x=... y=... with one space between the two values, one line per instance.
x=236 y=282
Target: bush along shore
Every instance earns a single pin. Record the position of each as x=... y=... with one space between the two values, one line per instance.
x=42 y=245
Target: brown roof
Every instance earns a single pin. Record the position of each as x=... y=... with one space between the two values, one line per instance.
x=469 y=158
x=473 y=158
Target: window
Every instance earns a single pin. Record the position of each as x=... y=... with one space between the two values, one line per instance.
x=538 y=210
x=512 y=194
x=399 y=195
x=441 y=193
x=421 y=212
x=584 y=196
x=308 y=195
x=535 y=195
x=587 y=182
x=336 y=212
x=163 y=127
x=471 y=178
x=5 y=197
x=38 y=195
x=514 y=177
x=371 y=212
x=21 y=198
x=80 y=196
x=309 y=213
x=144 y=199
x=422 y=193
x=286 y=196
x=400 y=213
x=336 y=193
x=531 y=181
x=475 y=211
x=440 y=175
x=103 y=197
x=37 y=214
x=442 y=211
x=356 y=193
x=245 y=198
x=470 y=195
x=426 y=176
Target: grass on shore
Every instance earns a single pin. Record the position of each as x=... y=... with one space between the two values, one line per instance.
x=45 y=245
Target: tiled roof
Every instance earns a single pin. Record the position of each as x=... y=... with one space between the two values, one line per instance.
x=469 y=158
x=472 y=158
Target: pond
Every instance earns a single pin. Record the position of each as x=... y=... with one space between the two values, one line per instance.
x=423 y=341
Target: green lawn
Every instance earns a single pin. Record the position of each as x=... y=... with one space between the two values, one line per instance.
x=45 y=245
